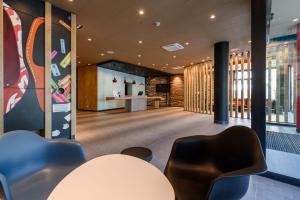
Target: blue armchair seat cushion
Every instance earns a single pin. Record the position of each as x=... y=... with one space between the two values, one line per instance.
x=39 y=185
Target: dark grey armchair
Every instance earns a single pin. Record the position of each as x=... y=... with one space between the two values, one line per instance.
x=215 y=167
x=31 y=166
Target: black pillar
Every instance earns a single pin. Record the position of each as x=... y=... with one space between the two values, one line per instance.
x=258 y=46
x=221 y=82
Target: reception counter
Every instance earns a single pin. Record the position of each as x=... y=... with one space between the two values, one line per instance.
x=136 y=103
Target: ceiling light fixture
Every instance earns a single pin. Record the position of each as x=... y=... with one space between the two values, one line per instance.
x=208 y=58
x=174 y=57
x=89 y=39
x=102 y=54
x=187 y=44
x=167 y=64
x=79 y=26
x=139 y=63
x=141 y=12
x=139 y=55
x=212 y=16
x=295 y=19
x=89 y=64
x=140 y=42
x=110 y=52
x=70 y=0
x=249 y=41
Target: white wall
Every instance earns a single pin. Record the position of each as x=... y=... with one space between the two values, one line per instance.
x=106 y=87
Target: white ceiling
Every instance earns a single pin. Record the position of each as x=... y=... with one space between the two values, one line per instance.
x=284 y=12
x=116 y=25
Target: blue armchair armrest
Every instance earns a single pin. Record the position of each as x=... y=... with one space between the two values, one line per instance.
x=65 y=151
x=4 y=189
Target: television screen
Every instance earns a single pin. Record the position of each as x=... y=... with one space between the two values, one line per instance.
x=164 y=88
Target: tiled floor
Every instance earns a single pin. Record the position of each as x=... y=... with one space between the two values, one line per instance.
x=111 y=132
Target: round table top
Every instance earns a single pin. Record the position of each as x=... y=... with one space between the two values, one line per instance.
x=114 y=177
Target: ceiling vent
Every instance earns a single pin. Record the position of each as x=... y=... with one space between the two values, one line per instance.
x=173 y=47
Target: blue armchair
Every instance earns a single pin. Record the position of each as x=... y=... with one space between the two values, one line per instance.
x=31 y=166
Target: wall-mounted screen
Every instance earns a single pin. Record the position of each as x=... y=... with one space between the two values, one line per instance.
x=163 y=88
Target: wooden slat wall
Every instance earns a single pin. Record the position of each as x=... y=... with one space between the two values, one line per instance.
x=239 y=63
x=198 y=88
x=1 y=71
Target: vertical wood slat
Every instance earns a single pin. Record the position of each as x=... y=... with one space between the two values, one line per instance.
x=242 y=85
x=211 y=89
x=236 y=85
x=1 y=72
x=73 y=76
x=207 y=88
x=193 y=88
x=249 y=85
x=231 y=86
x=197 y=88
x=48 y=48
x=277 y=92
x=270 y=86
x=184 y=93
x=203 y=88
x=286 y=83
x=295 y=81
x=200 y=88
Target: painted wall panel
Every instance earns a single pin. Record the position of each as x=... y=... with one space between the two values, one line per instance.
x=23 y=65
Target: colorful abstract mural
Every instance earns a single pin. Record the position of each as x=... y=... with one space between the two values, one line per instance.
x=61 y=73
x=24 y=67
x=24 y=60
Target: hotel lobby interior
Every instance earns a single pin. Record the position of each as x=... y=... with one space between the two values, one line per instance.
x=150 y=100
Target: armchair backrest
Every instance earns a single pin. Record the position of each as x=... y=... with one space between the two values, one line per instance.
x=237 y=147
x=21 y=154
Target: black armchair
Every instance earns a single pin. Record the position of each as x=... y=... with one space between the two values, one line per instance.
x=215 y=167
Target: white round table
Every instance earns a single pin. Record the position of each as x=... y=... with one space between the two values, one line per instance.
x=114 y=177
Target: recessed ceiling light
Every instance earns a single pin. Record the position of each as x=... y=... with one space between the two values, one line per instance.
x=89 y=64
x=295 y=19
x=249 y=41
x=141 y=12
x=167 y=64
x=139 y=63
x=153 y=64
x=110 y=52
x=89 y=39
x=212 y=16
x=70 y=0
x=139 y=55
x=174 y=56
x=208 y=58
x=187 y=44
x=140 y=42
x=102 y=54
x=79 y=62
